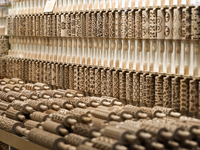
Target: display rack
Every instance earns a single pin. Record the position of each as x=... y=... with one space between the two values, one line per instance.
x=18 y=142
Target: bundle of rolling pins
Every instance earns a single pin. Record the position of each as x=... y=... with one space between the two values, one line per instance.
x=180 y=93
x=68 y=120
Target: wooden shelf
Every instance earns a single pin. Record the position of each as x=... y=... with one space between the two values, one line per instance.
x=18 y=142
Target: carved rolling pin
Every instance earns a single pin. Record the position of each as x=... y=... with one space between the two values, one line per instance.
x=119 y=110
x=50 y=103
x=112 y=100
x=76 y=102
x=29 y=94
x=104 y=142
x=8 y=81
x=30 y=124
x=152 y=112
x=67 y=120
x=17 y=95
x=17 y=81
x=100 y=100
x=48 y=140
x=42 y=94
x=2 y=82
x=76 y=140
x=63 y=103
x=37 y=105
x=39 y=116
x=4 y=88
x=168 y=111
x=74 y=93
x=4 y=105
x=22 y=106
x=85 y=130
x=53 y=93
x=32 y=87
x=136 y=111
x=122 y=135
x=178 y=131
x=54 y=127
x=6 y=97
x=42 y=86
x=15 y=114
x=12 y=126
x=89 y=101
x=20 y=86
x=81 y=115
x=106 y=115
x=13 y=87
x=64 y=93
x=137 y=130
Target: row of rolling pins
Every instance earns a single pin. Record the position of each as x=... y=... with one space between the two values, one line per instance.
x=141 y=89
x=139 y=23
x=155 y=39
x=66 y=119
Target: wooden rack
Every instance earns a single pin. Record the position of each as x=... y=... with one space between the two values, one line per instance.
x=18 y=142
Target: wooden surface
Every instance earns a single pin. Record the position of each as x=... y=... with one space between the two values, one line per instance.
x=18 y=142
